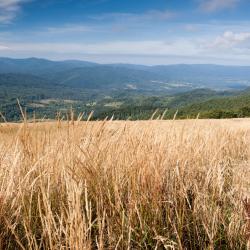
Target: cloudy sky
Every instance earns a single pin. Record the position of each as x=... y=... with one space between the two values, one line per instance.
x=127 y=31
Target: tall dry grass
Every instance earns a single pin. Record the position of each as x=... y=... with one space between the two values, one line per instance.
x=123 y=185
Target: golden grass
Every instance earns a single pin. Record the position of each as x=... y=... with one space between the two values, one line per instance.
x=124 y=185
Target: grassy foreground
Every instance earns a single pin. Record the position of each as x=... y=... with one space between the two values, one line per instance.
x=124 y=185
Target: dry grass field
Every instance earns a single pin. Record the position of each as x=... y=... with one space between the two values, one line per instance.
x=125 y=185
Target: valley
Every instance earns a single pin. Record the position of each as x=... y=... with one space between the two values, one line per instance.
x=46 y=88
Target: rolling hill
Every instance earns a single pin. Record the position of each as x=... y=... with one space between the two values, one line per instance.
x=165 y=78
x=134 y=91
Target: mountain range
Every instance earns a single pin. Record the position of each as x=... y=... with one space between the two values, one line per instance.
x=124 y=76
x=46 y=86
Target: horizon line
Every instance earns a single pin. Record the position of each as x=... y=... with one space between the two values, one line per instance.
x=122 y=63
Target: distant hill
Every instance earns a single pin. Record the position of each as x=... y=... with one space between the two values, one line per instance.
x=46 y=87
x=16 y=85
x=202 y=102
x=114 y=78
x=165 y=78
x=209 y=76
x=40 y=67
x=31 y=87
x=188 y=104
x=228 y=107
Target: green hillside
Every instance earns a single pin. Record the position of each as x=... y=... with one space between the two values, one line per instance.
x=229 y=107
x=46 y=88
x=205 y=103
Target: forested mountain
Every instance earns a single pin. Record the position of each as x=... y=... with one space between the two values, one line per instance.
x=165 y=78
x=129 y=91
x=37 y=66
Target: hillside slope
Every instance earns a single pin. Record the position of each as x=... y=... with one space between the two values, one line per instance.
x=164 y=78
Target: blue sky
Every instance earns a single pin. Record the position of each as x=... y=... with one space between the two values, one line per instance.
x=128 y=31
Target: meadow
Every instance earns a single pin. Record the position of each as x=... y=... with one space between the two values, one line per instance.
x=125 y=184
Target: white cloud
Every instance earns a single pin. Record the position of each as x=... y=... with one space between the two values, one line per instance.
x=230 y=40
x=143 y=52
x=191 y=28
x=217 y=5
x=146 y=16
x=69 y=29
x=179 y=47
x=3 y=47
x=9 y=9
x=204 y=45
